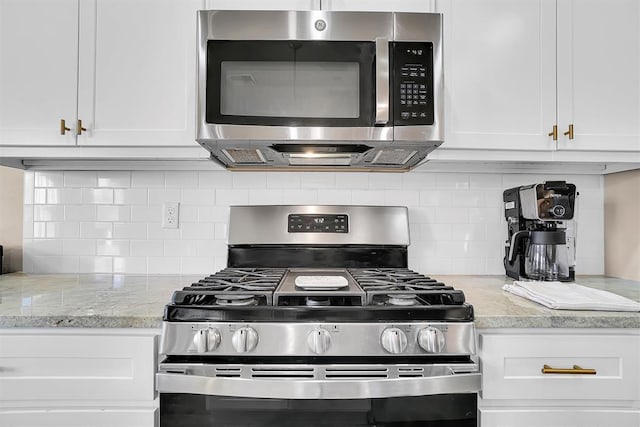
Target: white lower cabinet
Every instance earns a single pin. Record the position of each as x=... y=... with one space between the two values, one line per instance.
x=78 y=377
x=591 y=378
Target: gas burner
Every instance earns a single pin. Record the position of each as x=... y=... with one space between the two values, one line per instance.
x=236 y=300
x=402 y=299
x=314 y=301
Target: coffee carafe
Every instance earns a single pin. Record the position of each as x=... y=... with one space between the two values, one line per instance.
x=541 y=231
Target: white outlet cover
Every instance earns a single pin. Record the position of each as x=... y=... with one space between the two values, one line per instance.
x=170 y=214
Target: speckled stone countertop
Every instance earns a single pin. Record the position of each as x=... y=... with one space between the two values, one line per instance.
x=127 y=301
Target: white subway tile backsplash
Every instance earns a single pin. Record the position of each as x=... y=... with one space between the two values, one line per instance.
x=146 y=248
x=266 y=197
x=163 y=265
x=92 y=222
x=64 y=196
x=147 y=179
x=283 y=180
x=249 y=180
x=334 y=197
x=113 y=247
x=62 y=230
x=198 y=196
x=113 y=179
x=132 y=196
x=80 y=179
x=146 y=214
x=181 y=179
x=95 y=264
x=214 y=179
x=83 y=213
x=158 y=196
x=130 y=265
x=97 y=196
x=113 y=213
x=48 y=213
x=385 y=181
x=79 y=247
x=48 y=179
x=225 y=197
x=96 y=230
x=123 y=230
x=318 y=180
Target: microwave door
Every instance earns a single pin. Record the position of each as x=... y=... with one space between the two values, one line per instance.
x=298 y=90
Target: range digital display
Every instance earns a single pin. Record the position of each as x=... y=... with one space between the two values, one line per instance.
x=318 y=223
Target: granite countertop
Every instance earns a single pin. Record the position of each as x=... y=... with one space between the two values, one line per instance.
x=128 y=301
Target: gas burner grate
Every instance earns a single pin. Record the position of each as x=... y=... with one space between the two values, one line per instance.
x=400 y=286
x=232 y=287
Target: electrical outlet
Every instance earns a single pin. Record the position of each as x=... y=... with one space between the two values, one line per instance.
x=170 y=214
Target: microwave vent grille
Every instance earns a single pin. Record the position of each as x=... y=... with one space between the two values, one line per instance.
x=244 y=155
x=396 y=156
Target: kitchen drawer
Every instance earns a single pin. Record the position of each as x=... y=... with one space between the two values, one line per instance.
x=79 y=418
x=73 y=365
x=559 y=417
x=512 y=366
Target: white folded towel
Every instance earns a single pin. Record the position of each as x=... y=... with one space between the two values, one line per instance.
x=571 y=296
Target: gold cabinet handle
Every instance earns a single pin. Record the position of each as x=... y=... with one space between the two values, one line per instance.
x=63 y=127
x=575 y=370
x=569 y=132
x=79 y=128
x=554 y=132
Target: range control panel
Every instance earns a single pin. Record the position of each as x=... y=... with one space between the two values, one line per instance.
x=413 y=83
x=318 y=223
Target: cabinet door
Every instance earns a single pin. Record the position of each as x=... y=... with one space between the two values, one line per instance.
x=559 y=417
x=380 y=5
x=38 y=71
x=137 y=72
x=62 y=417
x=263 y=5
x=499 y=74
x=599 y=74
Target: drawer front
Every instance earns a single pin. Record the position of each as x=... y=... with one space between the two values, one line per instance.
x=554 y=417
x=512 y=366
x=76 y=367
x=79 y=418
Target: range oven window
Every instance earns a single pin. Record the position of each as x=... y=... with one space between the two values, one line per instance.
x=290 y=83
x=191 y=410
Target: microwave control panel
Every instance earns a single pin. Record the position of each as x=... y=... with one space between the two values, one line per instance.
x=413 y=95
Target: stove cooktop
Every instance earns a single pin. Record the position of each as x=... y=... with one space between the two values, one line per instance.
x=271 y=294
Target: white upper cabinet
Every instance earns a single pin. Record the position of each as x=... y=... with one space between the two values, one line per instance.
x=379 y=5
x=263 y=5
x=38 y=71
x=137 y=72
x=599 y=74
x=499 y=74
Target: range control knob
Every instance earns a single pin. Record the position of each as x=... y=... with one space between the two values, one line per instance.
x=431 y=340
x=206 y=340
x=394 y=340
x=244 y=339
x=319 y=340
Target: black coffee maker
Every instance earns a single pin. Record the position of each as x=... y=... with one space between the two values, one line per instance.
x=541 y=239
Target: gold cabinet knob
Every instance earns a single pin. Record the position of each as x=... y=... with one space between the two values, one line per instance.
x=79 y=128
x=554 y=132
x=63 y=127
x=569 y=132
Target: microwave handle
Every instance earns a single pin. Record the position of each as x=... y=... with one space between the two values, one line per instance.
x=382 y=81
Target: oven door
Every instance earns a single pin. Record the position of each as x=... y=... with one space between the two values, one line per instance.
x=304 y=76
x=311 y=395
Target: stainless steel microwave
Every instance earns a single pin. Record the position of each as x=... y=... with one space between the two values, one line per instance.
x=319 y=89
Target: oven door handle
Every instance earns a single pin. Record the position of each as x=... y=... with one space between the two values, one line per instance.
x=382 y=81
x=318 y=389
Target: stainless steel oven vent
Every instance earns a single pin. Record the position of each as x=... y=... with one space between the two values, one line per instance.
x=395 y=156
x=241 y=156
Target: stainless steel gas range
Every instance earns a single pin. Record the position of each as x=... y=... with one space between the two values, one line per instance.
x=317 y=321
